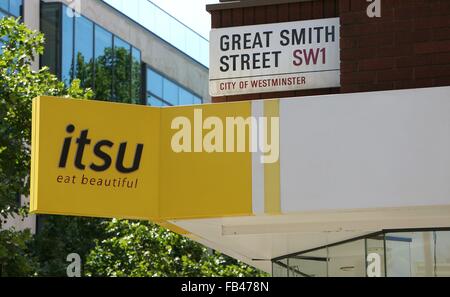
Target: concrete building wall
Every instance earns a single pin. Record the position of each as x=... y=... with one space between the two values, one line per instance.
x=31 y=13
x=19 y=223
x=408 y=47
x=31 y=18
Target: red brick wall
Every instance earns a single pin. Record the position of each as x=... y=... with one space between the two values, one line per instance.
x=408 y=47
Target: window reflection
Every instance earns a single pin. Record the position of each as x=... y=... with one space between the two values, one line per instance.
x=121 y=70
x=67 y=47
x=15 y=7
x=4 y=4
x=154 y=101
x=170 y=92
x=154 y=83
x=197 y=100
x=84 y=54
x=136 y=85
x=11 y=8
x=102 y=61
x=50 y=26
x=185 y=97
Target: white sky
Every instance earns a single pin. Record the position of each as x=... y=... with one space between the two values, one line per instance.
x=190 y=12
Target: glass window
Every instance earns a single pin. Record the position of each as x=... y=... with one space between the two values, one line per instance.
x=11 y=7
x=122 y=70
x=442 y=242
x=393 y=254
x=398 y=258
x=185 y=97
x=136 y=75
x=50 y=14
x=4 y=4
x=410 y=254
x=103 y=63
x=313 y=264
x=67 y=46
x=418 y=254
x=84 y=51
x=197 y=100
x=154 y=101
x=170 y=92
x=347 y=260
x=165 y=26
x=154 y=83
x=15 y=7
x=280 y=268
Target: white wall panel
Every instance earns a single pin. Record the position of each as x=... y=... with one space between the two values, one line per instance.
x=366 y=150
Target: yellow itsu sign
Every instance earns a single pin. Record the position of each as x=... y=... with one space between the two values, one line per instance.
x=76 y=149
x=99 y=159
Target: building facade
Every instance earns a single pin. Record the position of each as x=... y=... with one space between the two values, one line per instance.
x=116 y=56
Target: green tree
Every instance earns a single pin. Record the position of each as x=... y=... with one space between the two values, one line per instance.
x=14 y=254
x=19 y=84
x=142 y=249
